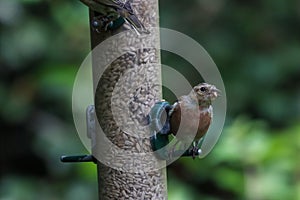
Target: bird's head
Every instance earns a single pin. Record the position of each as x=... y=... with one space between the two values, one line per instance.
x=206 y=93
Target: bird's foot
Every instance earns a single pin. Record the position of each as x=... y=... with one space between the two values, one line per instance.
x=98 y=24
x=195 y=151
x=101 y=23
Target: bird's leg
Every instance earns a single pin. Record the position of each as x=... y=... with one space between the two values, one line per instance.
x=110 y=18
x=98 y=23
x=107 y=25
x=195 y=149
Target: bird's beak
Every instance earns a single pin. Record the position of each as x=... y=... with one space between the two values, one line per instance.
x=217 y=92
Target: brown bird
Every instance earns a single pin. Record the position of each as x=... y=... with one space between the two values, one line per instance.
x=111 y=10
x=191 y=115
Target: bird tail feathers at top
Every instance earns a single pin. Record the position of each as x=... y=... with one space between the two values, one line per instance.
x=136 y=24
x=133 y=20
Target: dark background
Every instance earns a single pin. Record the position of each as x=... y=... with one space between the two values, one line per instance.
x=256 y=46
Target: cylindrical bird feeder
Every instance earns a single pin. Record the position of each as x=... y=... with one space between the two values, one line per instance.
x=125 y=90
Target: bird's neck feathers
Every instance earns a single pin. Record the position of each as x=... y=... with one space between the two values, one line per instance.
x=203 y=103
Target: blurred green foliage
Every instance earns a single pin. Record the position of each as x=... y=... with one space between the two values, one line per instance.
x=255 y=44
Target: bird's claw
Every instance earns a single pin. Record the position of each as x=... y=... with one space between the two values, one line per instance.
x=195 y=151
x=102 y=23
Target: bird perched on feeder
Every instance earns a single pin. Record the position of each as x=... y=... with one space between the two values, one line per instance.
x=193 y=112
x=188 y=119
x=111 y=10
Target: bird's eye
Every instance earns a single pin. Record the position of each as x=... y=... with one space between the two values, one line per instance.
x=202 y=89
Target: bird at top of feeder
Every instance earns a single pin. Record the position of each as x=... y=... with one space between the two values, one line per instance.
x=111 y=10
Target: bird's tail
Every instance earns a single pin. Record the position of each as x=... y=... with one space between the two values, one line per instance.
x=132 y=19
x=136 y=24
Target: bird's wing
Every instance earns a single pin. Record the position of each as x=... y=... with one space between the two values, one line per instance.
x=128 y=7
x=137 y=25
